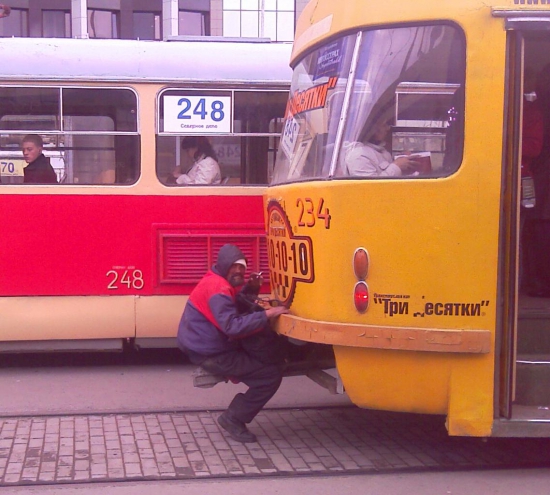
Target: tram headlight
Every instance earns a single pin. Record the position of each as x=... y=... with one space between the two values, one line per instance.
x=361 y=296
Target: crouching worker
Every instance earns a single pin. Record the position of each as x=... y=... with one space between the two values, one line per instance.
x=225 y=338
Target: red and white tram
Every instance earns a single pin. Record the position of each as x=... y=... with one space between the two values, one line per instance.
x=107 y=256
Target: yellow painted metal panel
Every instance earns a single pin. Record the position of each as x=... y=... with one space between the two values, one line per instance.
x=66 y=318
x=427 y=260
x=433 y=244
x=460 y=386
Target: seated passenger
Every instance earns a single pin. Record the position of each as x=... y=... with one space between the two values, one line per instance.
x=39 y=169
x=205 y=169
x=371 y=159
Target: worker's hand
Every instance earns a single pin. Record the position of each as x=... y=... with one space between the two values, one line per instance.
x=276 y=311
x=256 y=280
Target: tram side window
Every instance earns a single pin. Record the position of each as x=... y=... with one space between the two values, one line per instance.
x=90 y=134
x=242 y=127
x=403 y=120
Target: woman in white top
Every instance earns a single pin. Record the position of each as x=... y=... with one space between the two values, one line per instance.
x=205 y=169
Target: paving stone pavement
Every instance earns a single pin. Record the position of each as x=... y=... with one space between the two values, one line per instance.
x=179 y=445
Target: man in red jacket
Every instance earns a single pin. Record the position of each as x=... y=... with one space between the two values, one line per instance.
x=218 y=335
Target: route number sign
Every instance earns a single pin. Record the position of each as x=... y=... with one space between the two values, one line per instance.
x=197 y=114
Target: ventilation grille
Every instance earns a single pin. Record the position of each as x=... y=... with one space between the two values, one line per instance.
x=185 y=258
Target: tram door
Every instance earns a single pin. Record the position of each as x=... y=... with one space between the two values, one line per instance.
x=525 y=281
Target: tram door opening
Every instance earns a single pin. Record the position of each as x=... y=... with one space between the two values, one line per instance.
x=530 y=386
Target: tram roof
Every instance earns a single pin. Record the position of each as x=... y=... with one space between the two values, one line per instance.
x=322 y=20
x=133 y=60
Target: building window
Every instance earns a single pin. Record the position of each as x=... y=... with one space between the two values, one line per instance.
x=56 y=24
x=147 y=25
x=17 y=24
x=272 y=19
x=279 y=20
x=192 y=23
x=103 y=24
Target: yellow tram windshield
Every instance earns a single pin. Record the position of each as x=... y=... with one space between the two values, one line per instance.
x=348 y=94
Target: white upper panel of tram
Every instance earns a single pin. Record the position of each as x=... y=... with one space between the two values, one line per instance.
x=131 y=60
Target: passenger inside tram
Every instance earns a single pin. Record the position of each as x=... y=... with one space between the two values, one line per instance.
x=204 y=167
x=38 y=169
x=372 y=159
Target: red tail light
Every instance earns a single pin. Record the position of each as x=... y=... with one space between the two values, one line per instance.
x=361 y=296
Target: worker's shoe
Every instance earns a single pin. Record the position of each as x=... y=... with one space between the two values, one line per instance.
x=236 y=429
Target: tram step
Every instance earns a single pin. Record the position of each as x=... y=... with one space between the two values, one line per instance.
x=534 y=333
x=533 y=380
x=331 y=383
x=204 y=379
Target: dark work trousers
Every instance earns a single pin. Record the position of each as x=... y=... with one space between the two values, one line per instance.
x=262 y=379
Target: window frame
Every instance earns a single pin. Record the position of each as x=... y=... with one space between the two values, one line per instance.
x=60 y=129
x=66 y=21
x=205 y=24
x=115 y=22
x=273 y=137
x=260 y=11
x=342 y=130
x=157 y=23
x=24 y=26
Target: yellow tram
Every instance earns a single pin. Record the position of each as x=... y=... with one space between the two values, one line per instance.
x=394 y=213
